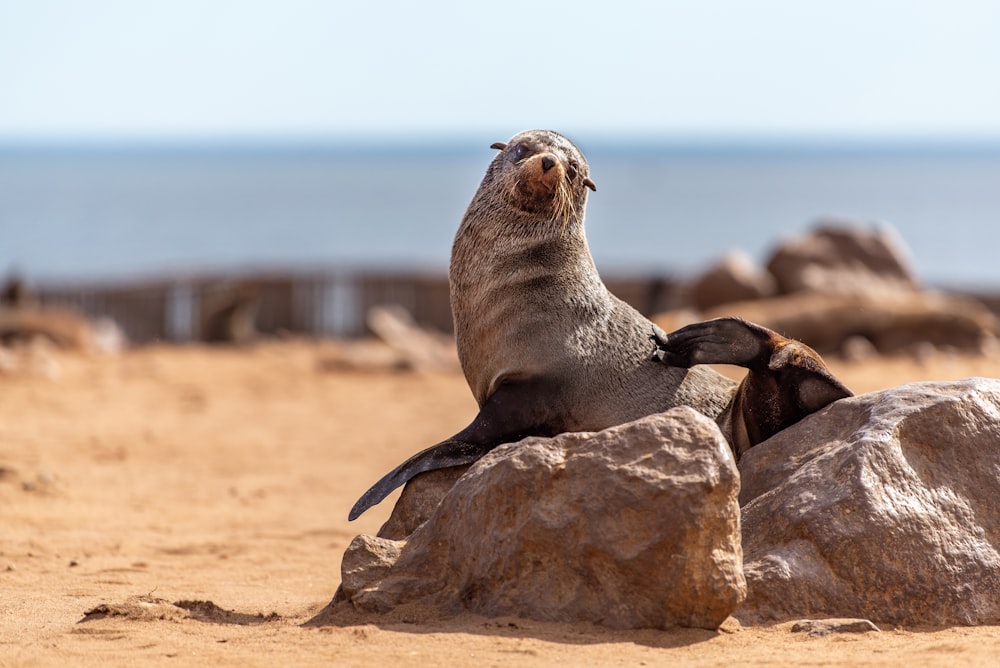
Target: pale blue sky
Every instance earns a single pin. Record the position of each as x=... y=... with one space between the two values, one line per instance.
x=98 y=69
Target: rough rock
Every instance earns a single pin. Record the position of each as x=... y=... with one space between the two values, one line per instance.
x=736 y=277
x=880 y=506
x=636 y=526
x=843 y=257
x=420 y=498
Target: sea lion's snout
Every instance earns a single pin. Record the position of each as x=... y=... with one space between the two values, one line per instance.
x=543 y=164
x=538 y=183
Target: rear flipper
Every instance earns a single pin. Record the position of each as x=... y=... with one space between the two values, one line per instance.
x=516 y=410
x=787 y=379
x=447 y=453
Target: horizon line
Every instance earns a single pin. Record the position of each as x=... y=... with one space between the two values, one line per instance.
x=469 y=142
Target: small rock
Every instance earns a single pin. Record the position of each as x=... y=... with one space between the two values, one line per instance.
x=822 y=627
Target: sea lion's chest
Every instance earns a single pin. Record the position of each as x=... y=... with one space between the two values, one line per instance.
x=522 y=313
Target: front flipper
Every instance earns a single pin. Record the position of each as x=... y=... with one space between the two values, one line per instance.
x=518 y=409
x=787 y=379
x=720 y=341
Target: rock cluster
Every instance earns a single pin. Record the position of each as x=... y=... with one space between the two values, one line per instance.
x=842 y=257
x=880 y=506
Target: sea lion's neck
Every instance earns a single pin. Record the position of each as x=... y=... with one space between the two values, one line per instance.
x=524 y=257
x=519 y=300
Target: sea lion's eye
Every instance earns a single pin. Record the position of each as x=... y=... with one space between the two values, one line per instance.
x=519 y=152
x=574 y=169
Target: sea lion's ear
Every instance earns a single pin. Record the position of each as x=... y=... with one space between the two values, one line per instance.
x=590 y=184
x=498 y=145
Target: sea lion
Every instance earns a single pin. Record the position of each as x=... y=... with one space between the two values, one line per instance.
x=231 y=317
x=547 y=349
x=17 y=293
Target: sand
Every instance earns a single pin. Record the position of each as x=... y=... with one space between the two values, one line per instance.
x=220 y=479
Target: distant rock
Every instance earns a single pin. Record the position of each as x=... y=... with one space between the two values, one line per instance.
x=65 y=327
x=881 y=506
x=399 y=344
x=843 y=257
x=421 y=348
x=735 y=277
x=632 y=527
x=842 y=289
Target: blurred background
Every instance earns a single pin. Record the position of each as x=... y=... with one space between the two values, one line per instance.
x=159 y=159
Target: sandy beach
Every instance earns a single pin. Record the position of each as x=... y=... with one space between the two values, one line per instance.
x=188 y=505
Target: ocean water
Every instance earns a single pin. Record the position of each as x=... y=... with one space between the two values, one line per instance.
x=117 y=213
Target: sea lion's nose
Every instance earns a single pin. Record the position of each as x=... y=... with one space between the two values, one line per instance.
x=548 y=162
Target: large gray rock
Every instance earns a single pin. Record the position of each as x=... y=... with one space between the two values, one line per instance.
x=843 y=257
x=882 y=506
x=632 y=527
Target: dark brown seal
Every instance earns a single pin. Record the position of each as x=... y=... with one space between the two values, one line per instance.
x=543 y=344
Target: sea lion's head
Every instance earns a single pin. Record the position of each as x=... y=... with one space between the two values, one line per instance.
x=542 y=173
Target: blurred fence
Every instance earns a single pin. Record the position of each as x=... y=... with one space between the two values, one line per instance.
x=314 y=304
